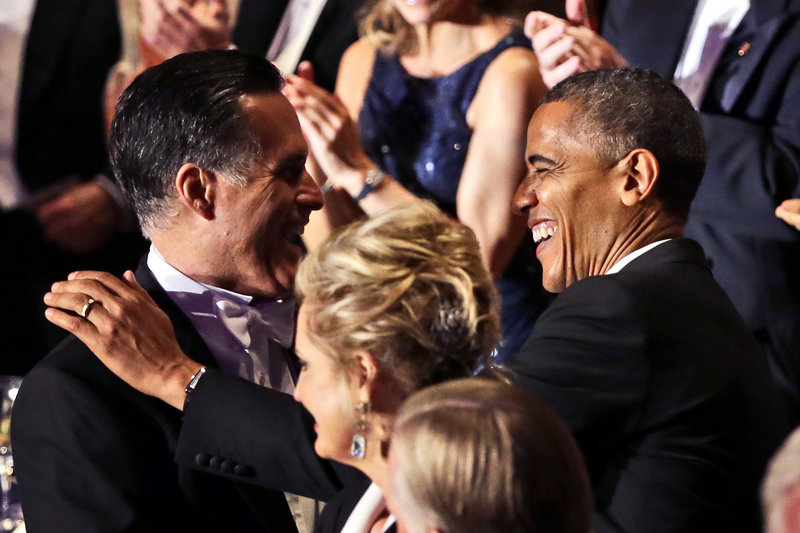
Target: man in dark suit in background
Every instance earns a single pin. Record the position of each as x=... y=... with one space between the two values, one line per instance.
x=642 y=352
x=58 y=209
x=211 y=156
x=739 y=61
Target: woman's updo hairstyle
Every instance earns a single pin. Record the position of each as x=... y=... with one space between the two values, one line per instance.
x=408 y=286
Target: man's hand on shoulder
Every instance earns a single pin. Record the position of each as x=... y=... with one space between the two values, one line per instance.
x=126 y=330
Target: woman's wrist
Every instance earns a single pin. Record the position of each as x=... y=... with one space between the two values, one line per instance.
x=360 y=179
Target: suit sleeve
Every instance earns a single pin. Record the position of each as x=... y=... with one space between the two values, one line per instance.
x=586 y=359
x=77 y=470
x=265 y=437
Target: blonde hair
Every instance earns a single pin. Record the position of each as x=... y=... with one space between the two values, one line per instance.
x=482 y=456
x=407 y=286
x=386 y=28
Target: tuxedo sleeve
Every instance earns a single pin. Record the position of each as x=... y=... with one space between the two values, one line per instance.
x=585 y=358
x=240 y=430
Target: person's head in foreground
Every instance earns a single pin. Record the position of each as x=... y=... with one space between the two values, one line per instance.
x=780 y=492
x=388 y=306
x=210 y=155
x=614 y=160
x=482 y=456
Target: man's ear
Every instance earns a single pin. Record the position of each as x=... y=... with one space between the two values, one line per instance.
x=197 y=188
x=641 y=171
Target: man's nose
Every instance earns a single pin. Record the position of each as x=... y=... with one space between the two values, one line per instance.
x=310 y=195
x=525 y=197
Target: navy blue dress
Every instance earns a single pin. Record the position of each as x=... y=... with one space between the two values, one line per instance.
x=415 y=130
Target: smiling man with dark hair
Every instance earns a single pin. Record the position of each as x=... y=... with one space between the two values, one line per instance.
x=642 y=353
x=211 y=156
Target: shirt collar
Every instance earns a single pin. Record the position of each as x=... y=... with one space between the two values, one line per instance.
x=368 y=508
x=199 y=302
x=622 y=263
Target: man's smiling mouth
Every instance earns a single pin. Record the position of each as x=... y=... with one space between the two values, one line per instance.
x=543 y=230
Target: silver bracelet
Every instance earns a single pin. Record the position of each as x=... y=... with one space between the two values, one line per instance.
x=193 y=382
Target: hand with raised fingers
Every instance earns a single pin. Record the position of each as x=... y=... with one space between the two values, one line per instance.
x=332 y=135
x=172 y=27
x=121 y=324
x=789 y=212
x=564 y=48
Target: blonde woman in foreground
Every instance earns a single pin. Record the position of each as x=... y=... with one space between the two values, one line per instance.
x=481 y=456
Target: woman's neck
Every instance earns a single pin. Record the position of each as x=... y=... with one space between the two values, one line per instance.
x=444 y=46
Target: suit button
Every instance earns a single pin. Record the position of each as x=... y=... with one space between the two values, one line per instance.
x=215 y=462
x=202 y=459
x=228 y=466
x=242 y=470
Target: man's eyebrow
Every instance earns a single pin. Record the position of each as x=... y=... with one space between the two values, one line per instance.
x=536 y=158
x=290 y=163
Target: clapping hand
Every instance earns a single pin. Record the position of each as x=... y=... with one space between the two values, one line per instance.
x=566 y=47
x=332 y=135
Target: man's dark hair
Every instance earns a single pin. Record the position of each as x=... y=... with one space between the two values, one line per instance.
x=186 y=110
x=626 y=108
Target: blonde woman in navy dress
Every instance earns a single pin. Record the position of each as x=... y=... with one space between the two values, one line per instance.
x=433 y=102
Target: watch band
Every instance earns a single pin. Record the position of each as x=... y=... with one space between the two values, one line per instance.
x=372 y=181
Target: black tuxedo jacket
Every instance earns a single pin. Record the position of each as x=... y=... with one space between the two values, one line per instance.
x=660 y=381
x=335 y=30
x=93 y=454
x=752 y=127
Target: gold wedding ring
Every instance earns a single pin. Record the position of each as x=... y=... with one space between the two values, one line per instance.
x=87 y=306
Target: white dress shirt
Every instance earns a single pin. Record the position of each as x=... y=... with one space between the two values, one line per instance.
x=714 y=22
x=292 y=36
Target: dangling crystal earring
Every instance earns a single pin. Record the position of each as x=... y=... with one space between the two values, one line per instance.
x=358 y=448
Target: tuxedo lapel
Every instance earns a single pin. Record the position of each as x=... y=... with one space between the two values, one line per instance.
x=51 y=28
x=188 y=338
x=751 y=51
x=327 y=16
x=628 y=26
x=257 y=23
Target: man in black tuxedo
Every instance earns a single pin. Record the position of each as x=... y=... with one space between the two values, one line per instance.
x=211 y=156
x=642 y=352
x=747 y=103
x=69 y=214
